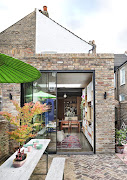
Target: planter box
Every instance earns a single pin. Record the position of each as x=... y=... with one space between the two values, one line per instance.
x=17 y=164
x=120 y=149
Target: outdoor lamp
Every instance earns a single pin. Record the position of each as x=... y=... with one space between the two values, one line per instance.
x=10 y=96
x=105 y=95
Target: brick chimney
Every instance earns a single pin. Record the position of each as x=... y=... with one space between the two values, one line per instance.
x=45 y=12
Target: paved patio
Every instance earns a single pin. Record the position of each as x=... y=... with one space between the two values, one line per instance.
x=88 y=167
x=123 y=156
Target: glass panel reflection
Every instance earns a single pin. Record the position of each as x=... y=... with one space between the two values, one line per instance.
x=44 y=91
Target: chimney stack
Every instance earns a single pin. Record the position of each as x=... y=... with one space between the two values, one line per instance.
x=44 y=8
x=45 y=12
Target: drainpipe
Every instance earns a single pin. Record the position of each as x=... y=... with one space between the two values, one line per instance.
x=117 y=72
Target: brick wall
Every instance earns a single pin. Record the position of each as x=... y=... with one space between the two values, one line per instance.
x=121 y=89
x=123 y=112
x=103 y=64
x=4 y=139
x=21 y=35
x=18 y=40
x=14 y=89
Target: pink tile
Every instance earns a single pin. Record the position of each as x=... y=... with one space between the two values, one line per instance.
x=123 y=156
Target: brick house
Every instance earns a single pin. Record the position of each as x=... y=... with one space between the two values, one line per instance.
x=63 y=58
x=120 y=64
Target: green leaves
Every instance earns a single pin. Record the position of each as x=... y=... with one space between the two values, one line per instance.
x=22 y=120
x=15 y=71
x=120 y=136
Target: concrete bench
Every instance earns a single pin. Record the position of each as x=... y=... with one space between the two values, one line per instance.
x=56 y=170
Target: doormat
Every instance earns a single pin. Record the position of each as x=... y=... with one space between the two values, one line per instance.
x=70 y=142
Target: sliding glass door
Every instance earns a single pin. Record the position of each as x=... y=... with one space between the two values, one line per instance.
x=44 y=91
x=63 y=92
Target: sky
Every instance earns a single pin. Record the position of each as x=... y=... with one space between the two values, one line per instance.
x=104 y=21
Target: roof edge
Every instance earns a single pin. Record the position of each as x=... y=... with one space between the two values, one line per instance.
x=17 y=21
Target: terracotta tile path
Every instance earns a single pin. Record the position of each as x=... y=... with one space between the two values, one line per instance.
x=88 y=167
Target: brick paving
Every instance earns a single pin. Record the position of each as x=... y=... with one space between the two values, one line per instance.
x=123 y=156
x=88 y=167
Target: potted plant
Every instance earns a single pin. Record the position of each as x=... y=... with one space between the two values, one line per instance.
x=22 y=123
x=120 y=140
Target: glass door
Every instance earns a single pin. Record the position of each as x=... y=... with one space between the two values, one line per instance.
x=77 y=134
x=44 y=91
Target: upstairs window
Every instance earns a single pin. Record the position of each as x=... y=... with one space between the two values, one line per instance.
x=122 y=76
x=121 y=97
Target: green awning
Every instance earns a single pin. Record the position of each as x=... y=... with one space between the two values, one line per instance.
x=15 y=71
x=42 y=95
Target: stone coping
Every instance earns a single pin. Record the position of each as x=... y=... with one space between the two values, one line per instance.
x=24 y=54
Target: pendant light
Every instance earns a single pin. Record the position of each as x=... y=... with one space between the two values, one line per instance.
x=65 y=95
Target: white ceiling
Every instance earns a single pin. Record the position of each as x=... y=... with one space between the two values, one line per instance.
x=74 y=78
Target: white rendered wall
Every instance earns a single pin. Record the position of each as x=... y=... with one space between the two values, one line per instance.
x=50 y=37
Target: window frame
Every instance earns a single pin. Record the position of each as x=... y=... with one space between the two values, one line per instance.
x=122 y=97
x=122 y=82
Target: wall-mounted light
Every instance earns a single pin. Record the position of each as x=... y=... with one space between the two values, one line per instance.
x=10 y=96
x=105 y=95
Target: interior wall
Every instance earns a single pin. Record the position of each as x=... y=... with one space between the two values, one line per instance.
x=61 y=107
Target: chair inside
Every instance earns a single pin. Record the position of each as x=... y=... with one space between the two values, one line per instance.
x=65 y=124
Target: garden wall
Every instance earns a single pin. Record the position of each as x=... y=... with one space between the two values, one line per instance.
x=4 y=139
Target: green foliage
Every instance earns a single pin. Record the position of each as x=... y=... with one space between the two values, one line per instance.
x=120 y=136
x=22 y=121
x=38 y=122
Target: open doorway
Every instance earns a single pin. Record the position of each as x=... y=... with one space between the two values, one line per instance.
x=69 y=123
x=75 y=119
